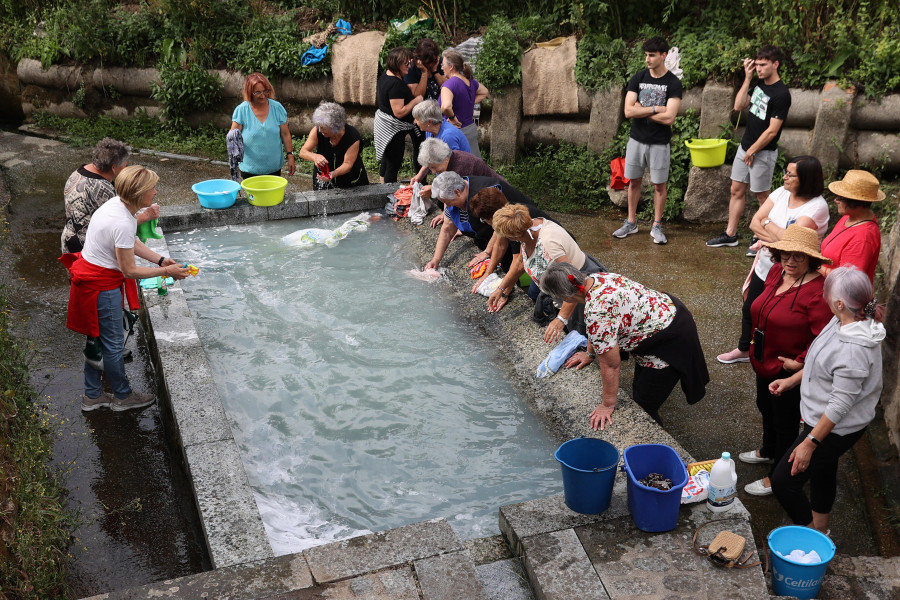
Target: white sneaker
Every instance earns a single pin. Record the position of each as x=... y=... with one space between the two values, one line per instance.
x=657 y=234
x=758 y=488
x=753 y=458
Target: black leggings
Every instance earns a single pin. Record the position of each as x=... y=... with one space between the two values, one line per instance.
x=392 y=158
x=755 y=288
x=780 y=416
x=651 y=387
x=821 y=474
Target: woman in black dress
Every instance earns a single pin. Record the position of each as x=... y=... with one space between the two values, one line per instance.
x=335 y=149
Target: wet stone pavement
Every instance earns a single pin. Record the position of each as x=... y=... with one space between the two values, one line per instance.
x=139 y=521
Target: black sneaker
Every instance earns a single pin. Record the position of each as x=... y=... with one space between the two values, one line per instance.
x=722 y=240
x=751 y=251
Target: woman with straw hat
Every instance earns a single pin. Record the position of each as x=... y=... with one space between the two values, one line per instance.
x=786 y=317
x=856 y=239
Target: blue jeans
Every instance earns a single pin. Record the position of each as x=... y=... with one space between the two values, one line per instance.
x=112 y=341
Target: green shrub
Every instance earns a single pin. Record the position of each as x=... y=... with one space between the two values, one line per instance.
x=600 y=62
x=499 y=64
x=184 y=88
x=274 y=47
x=137 y=33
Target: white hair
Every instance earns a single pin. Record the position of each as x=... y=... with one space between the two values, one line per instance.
x=433 y=151
x=446 y=185
x=331 y=116
x=428 y=112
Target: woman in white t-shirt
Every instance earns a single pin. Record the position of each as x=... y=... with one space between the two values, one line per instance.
x=799 y=201
x=99 y=275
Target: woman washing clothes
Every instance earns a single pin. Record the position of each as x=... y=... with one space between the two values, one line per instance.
x=542 y=242
x=262 y=121
x=99 y=274
x=787 y=316
x=459 y=95
x=839 y=389
x=335 y=149
x=623 y=315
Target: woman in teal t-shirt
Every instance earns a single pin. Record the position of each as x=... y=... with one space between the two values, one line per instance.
x=263 y=125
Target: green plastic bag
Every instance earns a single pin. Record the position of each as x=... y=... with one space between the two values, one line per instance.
x=418 y=21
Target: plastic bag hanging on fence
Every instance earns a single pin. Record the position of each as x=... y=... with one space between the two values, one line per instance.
x=617 y=167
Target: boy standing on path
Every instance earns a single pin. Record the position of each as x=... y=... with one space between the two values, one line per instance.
x=769 y=100
x=652 y=100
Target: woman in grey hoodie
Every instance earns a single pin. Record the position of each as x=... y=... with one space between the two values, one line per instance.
x=839 y=389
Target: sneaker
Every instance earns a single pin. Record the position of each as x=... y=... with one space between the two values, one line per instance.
x=751 y=251
x=758 y=488
x=625 y=230
x=722 y=240
x=752 y=457
x=134 y=400
x=734 y=356
x=657 y=234
x=88 y=404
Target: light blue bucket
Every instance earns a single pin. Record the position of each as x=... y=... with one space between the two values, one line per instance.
x=790 y=578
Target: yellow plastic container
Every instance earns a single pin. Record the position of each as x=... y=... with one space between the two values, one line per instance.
x=265 y=190
x=707 y=153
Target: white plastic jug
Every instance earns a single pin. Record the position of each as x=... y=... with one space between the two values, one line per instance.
x=722 y=484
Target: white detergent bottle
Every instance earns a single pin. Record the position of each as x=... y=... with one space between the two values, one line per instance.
x=722 y=484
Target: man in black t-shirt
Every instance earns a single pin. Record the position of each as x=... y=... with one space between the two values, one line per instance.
x=652 y=100
x=768 y=101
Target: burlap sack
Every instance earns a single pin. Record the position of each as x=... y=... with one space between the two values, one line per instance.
x=548 y=79
x=354 y=68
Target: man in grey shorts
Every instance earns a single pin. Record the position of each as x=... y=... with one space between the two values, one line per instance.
x=652 y=100
x=769 y=101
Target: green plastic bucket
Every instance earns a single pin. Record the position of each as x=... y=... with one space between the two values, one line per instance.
x=707 y=153
x=264 y=190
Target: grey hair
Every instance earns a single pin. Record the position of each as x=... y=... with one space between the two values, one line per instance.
x=331 y=115
x=433 y=151
x=446 y=185
x=428 y=112
x=109 y=153
x=854 y=288
x=555 y=281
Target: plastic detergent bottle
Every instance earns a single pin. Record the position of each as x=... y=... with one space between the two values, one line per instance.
x=722 y=484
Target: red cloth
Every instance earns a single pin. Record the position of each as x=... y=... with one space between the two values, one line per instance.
x=87 y=281
x=791 y=321
x=618 y=181
x=859 y=246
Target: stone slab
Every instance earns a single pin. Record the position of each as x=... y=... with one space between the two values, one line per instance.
x=258 y=579
x=506 y=120
x=559 y=568
x=633 y=563
x=375 y=551
x=545 y=515
x=368 y=197
x=391 y=584
x=505 y=580
x=449 y=577
x=717 y=106
x=190 y=216
x=708 y=194
x=231 y=523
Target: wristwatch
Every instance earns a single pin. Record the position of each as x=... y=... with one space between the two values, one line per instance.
x=766 y=222
x=654 y=109
x=810 y=437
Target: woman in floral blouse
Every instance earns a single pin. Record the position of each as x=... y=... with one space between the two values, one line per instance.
x=624 y=317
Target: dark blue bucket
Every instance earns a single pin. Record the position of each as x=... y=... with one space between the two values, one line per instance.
x=789 y=577
x=651 y=509
x=588 y=472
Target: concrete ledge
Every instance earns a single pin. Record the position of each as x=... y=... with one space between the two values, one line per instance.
x=559 y=568
x=449 y=577
x=259 y=579
x=376 y=551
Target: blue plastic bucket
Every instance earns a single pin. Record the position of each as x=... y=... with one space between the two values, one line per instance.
x=790 y=578
x=216 y=193
x=651 y=509
x=588 y=472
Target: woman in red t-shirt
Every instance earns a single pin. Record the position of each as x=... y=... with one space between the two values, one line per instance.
x=856 y=239
x=786 y=317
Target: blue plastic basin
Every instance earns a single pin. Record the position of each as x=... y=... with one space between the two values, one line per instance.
x=216 y=193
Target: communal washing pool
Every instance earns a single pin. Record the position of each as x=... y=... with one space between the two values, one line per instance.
x=359 y=403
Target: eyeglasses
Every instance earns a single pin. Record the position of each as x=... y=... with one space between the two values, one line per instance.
x=797 y=256
x=261 y=93
x=789 y=175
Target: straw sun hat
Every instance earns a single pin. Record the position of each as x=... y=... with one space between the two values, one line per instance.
x=858 y=185
x=798 y=238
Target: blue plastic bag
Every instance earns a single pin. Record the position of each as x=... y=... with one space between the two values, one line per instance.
x=313 y=55
x=343 y=27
